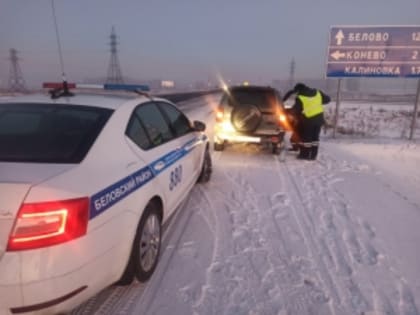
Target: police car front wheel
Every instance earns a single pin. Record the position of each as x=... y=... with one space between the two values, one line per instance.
x=206 y=168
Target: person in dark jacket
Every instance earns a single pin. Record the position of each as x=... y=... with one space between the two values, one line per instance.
x=309 y=113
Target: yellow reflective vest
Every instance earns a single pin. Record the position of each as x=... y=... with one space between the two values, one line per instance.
x=311 y=105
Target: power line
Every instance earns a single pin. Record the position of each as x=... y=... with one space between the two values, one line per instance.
x=57 y=35
x=16 y=80
x=114 y=69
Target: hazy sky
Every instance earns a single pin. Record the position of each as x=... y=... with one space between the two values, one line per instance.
x=184 y=39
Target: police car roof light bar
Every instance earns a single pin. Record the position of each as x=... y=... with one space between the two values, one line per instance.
x=59 y=89
x=127 y=87
x=110 y=87
x=58 y=85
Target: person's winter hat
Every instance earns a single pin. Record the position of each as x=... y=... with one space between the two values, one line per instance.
x=300 y=87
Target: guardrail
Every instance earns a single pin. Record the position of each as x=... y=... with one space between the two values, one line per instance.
x=179 y=97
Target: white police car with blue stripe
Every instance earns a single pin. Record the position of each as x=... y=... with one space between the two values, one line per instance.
x=86 y=182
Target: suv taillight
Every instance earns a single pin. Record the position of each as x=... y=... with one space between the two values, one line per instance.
x=219 y=114
x=282 y=118
x=284 y=122
x=49 y=223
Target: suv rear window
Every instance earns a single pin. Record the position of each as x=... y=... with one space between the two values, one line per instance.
x=263 y=98
x=49 y=133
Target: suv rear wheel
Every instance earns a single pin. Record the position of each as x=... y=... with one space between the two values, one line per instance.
x=147 y=243
x=275 y=148
x=146 y=247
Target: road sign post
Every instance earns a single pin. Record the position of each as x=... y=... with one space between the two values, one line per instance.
x=375 y=51
x=337 y=106
x=416 y=105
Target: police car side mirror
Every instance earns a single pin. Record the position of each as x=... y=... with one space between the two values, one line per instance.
x=199 y=126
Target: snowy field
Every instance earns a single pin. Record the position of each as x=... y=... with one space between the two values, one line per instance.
x=373 y=119
x=336 y=236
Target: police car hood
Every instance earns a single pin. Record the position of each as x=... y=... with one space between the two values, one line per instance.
x=15 y=181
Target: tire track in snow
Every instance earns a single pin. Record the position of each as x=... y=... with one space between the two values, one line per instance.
x=365 y=254
x=300 y=291
x=214 y=298
x=254 y=235
x=206 y=290
x=329 y=210
x=308 y=231
x=350 y=242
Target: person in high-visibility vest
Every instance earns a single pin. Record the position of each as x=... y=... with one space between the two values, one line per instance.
x=309 y=111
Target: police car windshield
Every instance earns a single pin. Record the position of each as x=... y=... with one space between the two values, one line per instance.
x=49 y=133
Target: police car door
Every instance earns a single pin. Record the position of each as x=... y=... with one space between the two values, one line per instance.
x=155 y=143
x=191 y=144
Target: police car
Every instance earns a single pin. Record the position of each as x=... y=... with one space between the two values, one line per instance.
x=86 y=182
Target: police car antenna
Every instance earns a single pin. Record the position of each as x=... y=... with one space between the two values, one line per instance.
x=64 y=90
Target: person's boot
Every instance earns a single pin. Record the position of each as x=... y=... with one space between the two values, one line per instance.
x=303 y=153
x=314 y=152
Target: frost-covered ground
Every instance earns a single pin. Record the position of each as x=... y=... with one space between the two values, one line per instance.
x=337 y=236
x=372 y=119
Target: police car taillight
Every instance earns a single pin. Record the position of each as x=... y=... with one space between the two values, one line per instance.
x=49 y=223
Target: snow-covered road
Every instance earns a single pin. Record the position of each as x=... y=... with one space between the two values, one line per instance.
x=335 y=236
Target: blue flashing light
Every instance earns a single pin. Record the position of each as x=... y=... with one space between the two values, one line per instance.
x=127 y=87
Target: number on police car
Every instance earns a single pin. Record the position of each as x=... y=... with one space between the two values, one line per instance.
x=176 y=177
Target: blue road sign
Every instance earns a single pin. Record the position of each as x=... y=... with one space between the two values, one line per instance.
x=374 y=51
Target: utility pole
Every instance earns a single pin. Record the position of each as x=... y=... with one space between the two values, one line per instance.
x=292 y=73
x=114 y=69
x=16 y=80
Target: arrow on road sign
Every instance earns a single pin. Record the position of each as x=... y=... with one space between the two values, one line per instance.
x=337 y=55
x=339 y=37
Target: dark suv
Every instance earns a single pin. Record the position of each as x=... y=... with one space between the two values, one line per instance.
x=250 y=114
